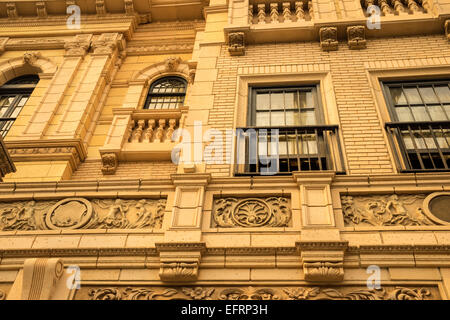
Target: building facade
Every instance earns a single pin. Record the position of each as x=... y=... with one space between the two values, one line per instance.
x=225 y=149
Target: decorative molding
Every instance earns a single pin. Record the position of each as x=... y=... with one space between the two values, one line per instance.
x=328 y=38
x=259 y=293
x=384 y=210
x=30 y=58
x=179 y=271
x=356 y=37
x=11 y=10
x=78 y=46
x=80 y=213
x=180 y=246
x=251 y=212
x=100 y=7
x=236 y=43
x=106 y=43
x=40 y=278
x=323 y=271
x=41 y=9
x=171 y=64
x=109 y=163
x=321 y=245
x=71 y=150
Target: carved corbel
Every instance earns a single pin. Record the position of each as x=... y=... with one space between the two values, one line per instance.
x=107 y=43
x=356 y=37
x=328 y=38
x=109 y=163
x=447 y=29
x=236 y=43
x=11 y=10
x=323 y=260
x=179 y=262
x=41 y=10
x=78 y=46
x=41 y=279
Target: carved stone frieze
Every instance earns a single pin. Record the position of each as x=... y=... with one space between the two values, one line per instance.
x=236 y=43
x=80 y=213
x=356 y=37
x=109 y=163
x=251 y=212
x=259 y=293
x=384 y=210
x=328 y=38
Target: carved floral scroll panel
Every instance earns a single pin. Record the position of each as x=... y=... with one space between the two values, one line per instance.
x=251 y=212
x=258 y=293
x=80 y=213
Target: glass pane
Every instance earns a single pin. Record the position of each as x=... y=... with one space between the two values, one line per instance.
x=262 y=119
x=262 y=101
x=404 y=114
x=443 y=93
x=290 y=100
x=22 y=101
x=420 y=114
x=308 y=118
x=437 y=113
x=447 y=110
x=292 y=118
x=408 y=141
x=398 y=96
x=306 y=99
x=277 y=100
x=15 y=112
x=277 y=118
x=428 y=95
x=442 y=138
x=413 y=96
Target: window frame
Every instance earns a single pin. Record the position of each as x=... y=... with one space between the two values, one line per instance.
x=18 y=91
x=151 y=94
x=401 y=152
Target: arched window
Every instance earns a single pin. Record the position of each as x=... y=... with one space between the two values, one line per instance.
x=13 y=96
x=166 y=93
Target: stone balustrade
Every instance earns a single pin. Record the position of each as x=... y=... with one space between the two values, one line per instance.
x=280 y=12
x=398 y=7
x=155 y=130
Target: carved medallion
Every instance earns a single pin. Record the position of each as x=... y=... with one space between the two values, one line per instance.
x=252 y=212
x=71 y=213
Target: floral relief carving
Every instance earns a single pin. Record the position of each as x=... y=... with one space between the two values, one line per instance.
x=323 y=271
x=236 y=43
x=80 y=213
x=328 y=38
x=259 y=293
x=252 y=212
x=384 y=210
x=178 y=271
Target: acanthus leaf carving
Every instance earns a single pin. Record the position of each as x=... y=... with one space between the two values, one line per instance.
x=236 y=43
x=323 y=271
x=356 y=37
x=252 y=212
x=178 y=271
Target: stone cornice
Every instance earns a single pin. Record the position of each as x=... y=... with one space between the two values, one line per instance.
x=180 y=246
x=321 y=245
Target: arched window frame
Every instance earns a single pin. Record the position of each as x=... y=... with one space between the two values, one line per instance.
x=151 y=94
x=18 y=94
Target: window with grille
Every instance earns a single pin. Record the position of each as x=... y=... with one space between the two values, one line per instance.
x=13 y=96
x=166 y=93
x=291 y=118
x=420 y=130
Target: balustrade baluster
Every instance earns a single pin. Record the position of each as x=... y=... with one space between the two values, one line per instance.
x=299 y=11
x=250 y=14
x=261 y=13
x=171 y=129
x=311 y=9
x=160 y=131
x=287 y=12
x=149 y=131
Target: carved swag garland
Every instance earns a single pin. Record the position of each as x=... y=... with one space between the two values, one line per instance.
x=251 y=293
x=384 y=210
x=80 y=213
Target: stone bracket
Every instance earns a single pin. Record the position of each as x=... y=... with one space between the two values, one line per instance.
x=328 y=38
x=322 y=260
x=356 y=37
x=236 y=43
x=179 y=261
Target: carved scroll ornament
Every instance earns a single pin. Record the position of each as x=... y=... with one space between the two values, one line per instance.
x=260 y=293
x=80 y=213
x=384 y=210
x=252 y=212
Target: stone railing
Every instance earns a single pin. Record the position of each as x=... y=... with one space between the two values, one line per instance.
x=280 y=12
x=155 y=130
x=398 y=7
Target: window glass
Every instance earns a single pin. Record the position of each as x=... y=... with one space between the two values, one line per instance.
x=166 y=93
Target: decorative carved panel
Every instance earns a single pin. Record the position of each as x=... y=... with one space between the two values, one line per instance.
x=356 y=37
x=384 y=210
x=236 y=43
x=80 y=213
x=328 y=38
x=252 y=212
x=258 y=293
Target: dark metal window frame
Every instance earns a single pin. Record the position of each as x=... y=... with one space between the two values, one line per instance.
x=18 y=91
x=152 y=94
x=320 y=130
x=395 y=128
